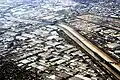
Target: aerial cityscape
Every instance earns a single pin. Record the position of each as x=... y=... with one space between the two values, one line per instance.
x=59 y=39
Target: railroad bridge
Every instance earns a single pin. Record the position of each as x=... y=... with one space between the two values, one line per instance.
x=59 y=40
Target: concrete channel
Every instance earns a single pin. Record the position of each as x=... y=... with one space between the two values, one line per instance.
x=92 y=49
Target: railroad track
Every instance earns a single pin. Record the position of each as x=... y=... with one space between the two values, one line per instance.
x=109 y=63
